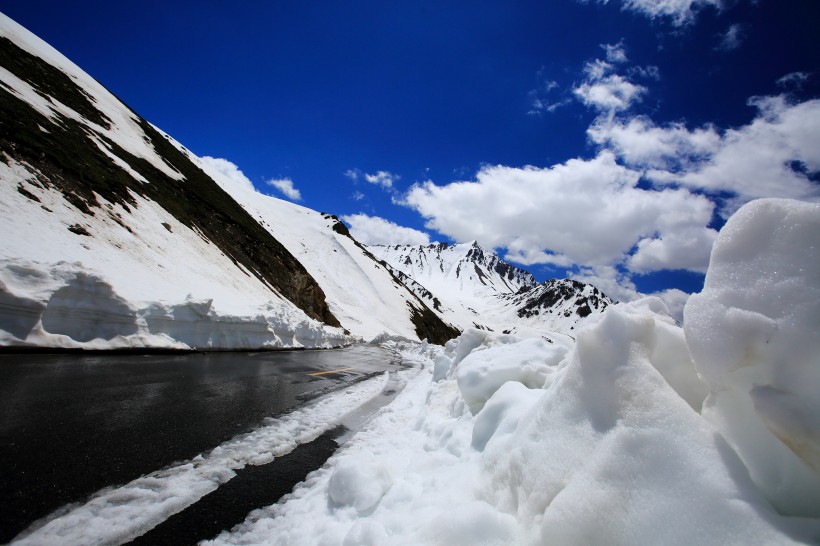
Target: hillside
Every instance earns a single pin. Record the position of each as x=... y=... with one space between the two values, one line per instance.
x=116 y=236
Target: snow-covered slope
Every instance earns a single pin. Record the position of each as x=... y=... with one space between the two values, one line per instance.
x=363 y=294
x=107 y=221
x=472 y=287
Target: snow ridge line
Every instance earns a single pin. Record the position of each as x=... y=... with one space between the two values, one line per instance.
x=119 y=514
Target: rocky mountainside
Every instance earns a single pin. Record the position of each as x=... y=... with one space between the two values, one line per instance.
x=472 y=287
x=115 y=235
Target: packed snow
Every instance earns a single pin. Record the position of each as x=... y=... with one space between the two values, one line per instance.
x=516 y=440
x=754 y=333
x=69 y=306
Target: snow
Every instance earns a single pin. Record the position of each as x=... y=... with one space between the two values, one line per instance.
x=634 y=431
x=140 y=278
x=69 y=306
x=360 y=292
x=118 y=514
x=754 y=337
x=123 y=130
x=471 y=287
x=514 y=440
x=137 y=277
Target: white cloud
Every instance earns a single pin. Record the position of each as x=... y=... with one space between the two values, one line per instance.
x=639 y=142
x=229 y=170
x=285 y=185
x=770 y=157
x=793 y=79
x=587 y=212
x=372 y=230
x=685 y=248
x=678 y=12
x=540 y=97
x=732 y=38
x=357 y=196
x=353 y=174
x=607 y=92
x=382 y=178
x=615 y=53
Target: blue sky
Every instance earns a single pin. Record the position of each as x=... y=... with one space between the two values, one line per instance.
x=602 y=140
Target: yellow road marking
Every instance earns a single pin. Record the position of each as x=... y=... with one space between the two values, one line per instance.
x=331 y=371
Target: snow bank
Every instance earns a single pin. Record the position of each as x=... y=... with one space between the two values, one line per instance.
x=754 y=333
x=582 y=445
x=66 y=305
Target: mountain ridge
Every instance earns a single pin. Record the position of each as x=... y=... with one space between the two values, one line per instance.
x=473 y=287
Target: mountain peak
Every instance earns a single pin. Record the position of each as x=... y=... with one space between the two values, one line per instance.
x=472 y=286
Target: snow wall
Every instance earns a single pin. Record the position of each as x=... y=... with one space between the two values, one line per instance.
x=68 y=306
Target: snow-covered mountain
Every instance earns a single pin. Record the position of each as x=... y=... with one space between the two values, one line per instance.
x=472 y=287
x=115 y=235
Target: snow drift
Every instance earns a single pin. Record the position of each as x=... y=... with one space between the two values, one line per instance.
x=523 y=441
x=68 y=306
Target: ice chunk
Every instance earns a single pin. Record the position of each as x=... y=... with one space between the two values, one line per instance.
x=754 y=334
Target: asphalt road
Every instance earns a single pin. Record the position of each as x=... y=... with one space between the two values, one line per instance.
x=73 y=424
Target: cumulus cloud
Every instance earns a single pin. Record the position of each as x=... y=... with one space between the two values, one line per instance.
x=678 y=12
x=353 y=174
x=587 y=212
x=382 y=178
x=357 y=196
x=372 y=230
x=606 y=91
x=731 y=39
x=639 y=142
x=686 y=248
x=776 y=155
x=229 y=170
x=286 y=187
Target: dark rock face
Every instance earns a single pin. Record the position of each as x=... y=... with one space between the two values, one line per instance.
x=68 y=161
x=584 y=298
x=430 y=327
